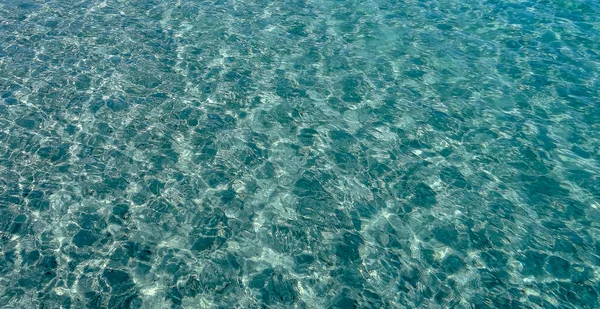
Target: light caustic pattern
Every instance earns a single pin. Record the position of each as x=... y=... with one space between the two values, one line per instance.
x=299 y=154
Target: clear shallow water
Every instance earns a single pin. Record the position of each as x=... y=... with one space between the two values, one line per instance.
x=302 y=154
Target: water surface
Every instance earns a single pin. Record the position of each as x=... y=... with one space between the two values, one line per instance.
x=299 y=154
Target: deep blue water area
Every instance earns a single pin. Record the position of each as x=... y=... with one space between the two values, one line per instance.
x=299 y=154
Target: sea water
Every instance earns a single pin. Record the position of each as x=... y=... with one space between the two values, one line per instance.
x=299 y=154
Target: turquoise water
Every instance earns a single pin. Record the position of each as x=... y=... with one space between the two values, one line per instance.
x=299 y=154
